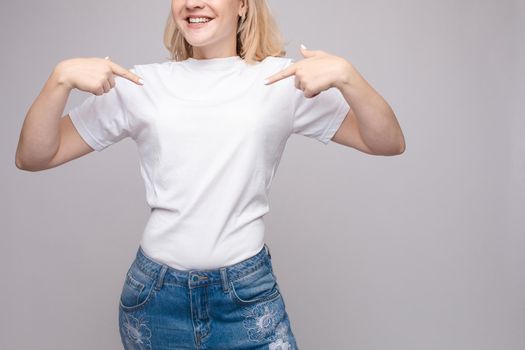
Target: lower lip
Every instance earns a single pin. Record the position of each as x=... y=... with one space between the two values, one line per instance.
x=197 y=25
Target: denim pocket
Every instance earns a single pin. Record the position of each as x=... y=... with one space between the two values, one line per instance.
x=258 y=286
x=137 y=290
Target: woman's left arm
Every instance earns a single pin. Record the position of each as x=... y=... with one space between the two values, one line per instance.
x=370 y=125
x=370 y=114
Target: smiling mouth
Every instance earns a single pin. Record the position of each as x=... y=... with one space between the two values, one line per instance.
x=208 y=21
x=197 y=25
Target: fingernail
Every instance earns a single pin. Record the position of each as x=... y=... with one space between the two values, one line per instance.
x=106 y=58
x=304 y=47
x=266 y=81
x=141 y=81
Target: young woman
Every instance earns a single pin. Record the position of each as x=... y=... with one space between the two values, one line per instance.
x=210 y=125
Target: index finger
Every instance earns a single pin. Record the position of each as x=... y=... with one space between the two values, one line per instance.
x=285 y=73
x=125 y=73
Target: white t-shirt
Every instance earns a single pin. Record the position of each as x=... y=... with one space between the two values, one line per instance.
x=210 y=136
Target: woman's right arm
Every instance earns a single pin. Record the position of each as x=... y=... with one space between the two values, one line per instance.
x=43 y=128
x=48 y=140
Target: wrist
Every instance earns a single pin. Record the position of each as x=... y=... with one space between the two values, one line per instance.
x=344 y=76
x=349 y=79
x=59 y=78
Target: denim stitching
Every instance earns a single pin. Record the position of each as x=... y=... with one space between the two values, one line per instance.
x=248 y=271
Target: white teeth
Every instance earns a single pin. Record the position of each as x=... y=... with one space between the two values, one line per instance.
x=199 y=20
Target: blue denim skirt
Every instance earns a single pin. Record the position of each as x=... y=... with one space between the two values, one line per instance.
x=232 y=307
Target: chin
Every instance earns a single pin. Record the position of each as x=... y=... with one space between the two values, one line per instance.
x=195 y=43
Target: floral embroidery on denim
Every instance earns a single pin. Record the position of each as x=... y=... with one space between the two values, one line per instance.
x=282 y=331
x=280 y=345
x=260 y=321
x=136 y=333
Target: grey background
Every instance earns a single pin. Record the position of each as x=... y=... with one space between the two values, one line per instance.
x=418 y=251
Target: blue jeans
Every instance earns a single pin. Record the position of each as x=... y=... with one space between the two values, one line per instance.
x=232 y=307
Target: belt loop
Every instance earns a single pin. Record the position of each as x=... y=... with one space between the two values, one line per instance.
x=267 y=250
x=160 y=278
x=224 y=278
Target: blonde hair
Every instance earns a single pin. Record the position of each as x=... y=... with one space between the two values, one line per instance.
x=258 y=36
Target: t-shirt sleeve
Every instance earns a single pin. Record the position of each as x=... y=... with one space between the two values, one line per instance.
x=102 y=120
x=319 y=117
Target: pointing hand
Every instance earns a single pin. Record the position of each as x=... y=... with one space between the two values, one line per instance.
x=95 y=75
x=319 y=71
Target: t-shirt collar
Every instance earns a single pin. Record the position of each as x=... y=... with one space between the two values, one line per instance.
x=214 y=63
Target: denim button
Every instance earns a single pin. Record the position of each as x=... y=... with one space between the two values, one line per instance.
x=195 y=277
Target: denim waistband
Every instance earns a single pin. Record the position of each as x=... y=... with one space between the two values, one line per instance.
x=163 y=273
